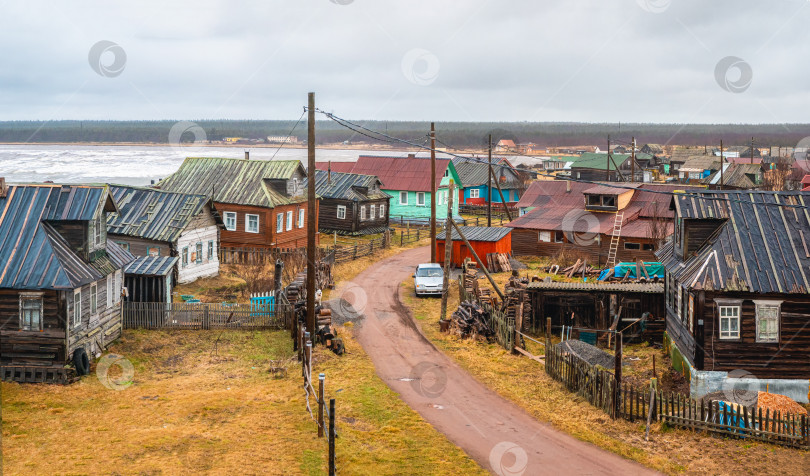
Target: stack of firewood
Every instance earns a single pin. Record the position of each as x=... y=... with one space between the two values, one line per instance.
x=498 y=262
x=470 y=319
x=578 y=269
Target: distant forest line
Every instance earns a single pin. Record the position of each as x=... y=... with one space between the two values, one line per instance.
x=454 y=134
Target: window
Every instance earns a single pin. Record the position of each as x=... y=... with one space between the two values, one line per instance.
x=544 y=236
x=648 y=247
x=691 y=312
x=729 y=322
x=341 y=212
x=118 y=284
x=152 y=251
x=632 y=246
x=372 y=212
x=382 y=211
x=279 y=222
x=97 y=229
x=677 y=291
x=110 y=292
x=198 y=256
x=123 y=245
x=594 y=200
x=31 y=311
x=420 y=199
x=210 y=250
x=475 y=193
x=363 y=212
x=93 y=298
x=230 y=221
x=403 y=198
x=767 y=321
x=184 y=256
x=289 y=220
x=301 y=213
x=608 y=201
x=558 y=236
x=252 y=223
x=77 y=308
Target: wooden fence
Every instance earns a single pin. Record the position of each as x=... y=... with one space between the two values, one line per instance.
x=598 y=387
x=497 y=210
x=197 y=315
x=350 y=252
x=248 y=255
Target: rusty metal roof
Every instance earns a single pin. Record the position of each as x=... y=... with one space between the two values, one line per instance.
x=345 y=186
x=152 y=265
x=478 y=233
x=600 y=287
x=236 y=181
x=410 y=173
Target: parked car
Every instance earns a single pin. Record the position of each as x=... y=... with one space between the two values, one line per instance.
x=428 y=279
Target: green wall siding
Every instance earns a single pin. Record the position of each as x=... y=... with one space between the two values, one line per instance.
x=412 y=210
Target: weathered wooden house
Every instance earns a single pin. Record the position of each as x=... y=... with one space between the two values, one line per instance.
x=735 y=176
x=611 y=167
x=351 y=204
x=652 y=149
x=262 y=202
x=60 y=280
x=474 y=174
x=697 y=167
x=484 y=240
x=159 y=223
x=737 y=294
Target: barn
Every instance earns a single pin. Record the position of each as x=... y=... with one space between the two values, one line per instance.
x=483 y=239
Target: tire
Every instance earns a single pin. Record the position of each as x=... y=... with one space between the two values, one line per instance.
x=81 y=361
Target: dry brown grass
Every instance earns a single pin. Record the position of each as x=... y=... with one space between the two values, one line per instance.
x=524 y=382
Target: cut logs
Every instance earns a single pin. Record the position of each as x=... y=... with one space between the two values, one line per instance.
x=498 y=262
x=471 y=320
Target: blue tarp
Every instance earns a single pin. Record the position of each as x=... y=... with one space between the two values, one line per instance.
x=620 y=270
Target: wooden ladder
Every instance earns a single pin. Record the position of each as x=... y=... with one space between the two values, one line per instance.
x=614 y=239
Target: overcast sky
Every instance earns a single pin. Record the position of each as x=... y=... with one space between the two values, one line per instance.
x=471 y=60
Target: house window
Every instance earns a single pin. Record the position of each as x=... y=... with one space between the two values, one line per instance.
x=608 y=201
x=677 y=290
x=252 y=223
x=31 y=311
x=363 y=212
x=594 y=200
x=198 y=256
x=372 y=212
x=301 y=213
x=210 y=250
x=632 y=246
x=544 y=236
x=648 y=247
x=341 y=212
x=110 y=289
x=93 y=298
x=767 y=321
x=420 y=199
x=558 y=236
x=403 y=198
x=382 y=211
x=152 y=251
x=97 y=232
x=729 y=322
x=279 y=222
x=185 y=256
x=475 y=193
x=289 y=220
x=77 y=308
x=230 y=221
x=123 y=245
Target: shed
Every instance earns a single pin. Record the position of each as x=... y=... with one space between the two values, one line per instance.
x=149 y=279
x=483 y=239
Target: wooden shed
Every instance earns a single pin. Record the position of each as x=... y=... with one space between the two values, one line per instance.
x=483 y=239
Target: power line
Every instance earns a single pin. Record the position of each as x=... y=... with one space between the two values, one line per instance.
x=290 y=134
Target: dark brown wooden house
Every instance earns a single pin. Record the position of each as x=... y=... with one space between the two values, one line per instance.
x=60 y=280
x=738 y=276
x=351 y=204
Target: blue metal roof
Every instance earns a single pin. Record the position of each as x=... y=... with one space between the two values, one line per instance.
x=152 y=265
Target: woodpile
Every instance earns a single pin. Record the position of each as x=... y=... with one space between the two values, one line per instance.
x=471 y=320
x=473 y=287
x=579 y=268
x=498 y=262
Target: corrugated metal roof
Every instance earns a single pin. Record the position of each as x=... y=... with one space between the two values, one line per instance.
x=759 y=248
x=152 y=214
x=343 y=167
x=346 y=186
x=33 y=255
x=654 y=288
x=152 y=265
x=599 y=161
x=478 y=233
x=474 y=173
x=236 y=181
x=401 y=173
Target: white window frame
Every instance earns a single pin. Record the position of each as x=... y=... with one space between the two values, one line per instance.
x=341 y=212
x=475 y=193
x=544 y=236
x=362 y=212
x=423 y=202
x=301 y=215
x=279 y=222
x=382 y=211
x=733 y=312
x=28 y=297
x=110 y=287
x=401 y=195
x=93 y=298
x=226 y=217
x=289 y=220
x=248 y=217
x=77 y=307
x=762 y=304
x=372 y=213
x=97 y=232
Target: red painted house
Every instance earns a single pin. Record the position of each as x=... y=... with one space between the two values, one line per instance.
x=483 y=239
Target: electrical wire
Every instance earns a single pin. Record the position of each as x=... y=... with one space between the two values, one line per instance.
x=289 y=135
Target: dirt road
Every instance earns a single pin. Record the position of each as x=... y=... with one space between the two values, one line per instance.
x=496 y=433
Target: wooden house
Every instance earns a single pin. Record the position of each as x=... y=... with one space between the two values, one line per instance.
x=697 y=167
x=351 y=204
x=738 y=278
x=159 y=223
x=580 y=218
x=60 y=280
x=474 y=174
x=608 y=167
x=735 y=176
x=680 y=156
x=652 y=149
x=262 y=203
x=484 y=240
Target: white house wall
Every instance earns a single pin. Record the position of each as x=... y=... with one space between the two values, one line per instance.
x=206 y=268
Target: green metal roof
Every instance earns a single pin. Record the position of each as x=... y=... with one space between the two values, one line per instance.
x=236 y=181
x=591 y=160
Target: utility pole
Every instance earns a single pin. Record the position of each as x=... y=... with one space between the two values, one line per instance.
x=722 y=163
x=311 y=216
x=489 y=185
x=433 y=193
x=448 y=249
x=752 y=150
x=607 y=169
x=633 y=162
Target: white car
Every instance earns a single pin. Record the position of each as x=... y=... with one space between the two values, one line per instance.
x=428 y=279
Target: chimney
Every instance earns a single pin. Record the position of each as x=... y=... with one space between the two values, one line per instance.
x=329 y=175
x=247 y=155
x=567 y=185
x=3 y=188
x=411 y=156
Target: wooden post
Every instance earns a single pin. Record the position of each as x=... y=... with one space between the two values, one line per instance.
x=478 y=260
x=548 y=337
x=321 y=378
x=432 y=193
x=489 y=185
x=653 y=388
x=448 y=249
x=617 y=374
x=498 y=186
x=332 y=437
x=312 y=217
x=722 y=161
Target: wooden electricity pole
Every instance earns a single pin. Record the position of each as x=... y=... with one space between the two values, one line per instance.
x=489 y=185
x=633 y=161
x=752 y=150
x=448 y=250
x=311 y=216
x=607 y=170
x=722 y=163
x=432 y=193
